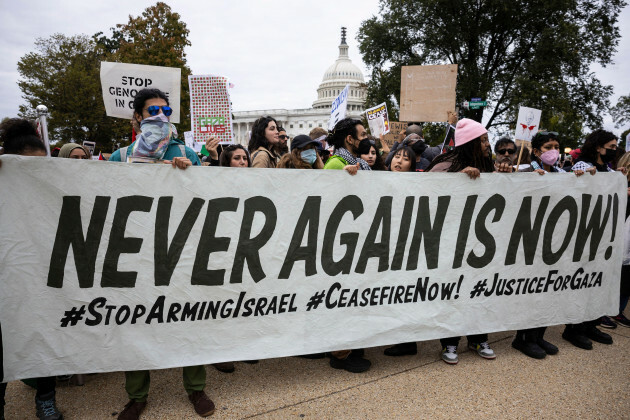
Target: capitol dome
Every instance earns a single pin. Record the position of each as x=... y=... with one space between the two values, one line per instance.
x=341 y=73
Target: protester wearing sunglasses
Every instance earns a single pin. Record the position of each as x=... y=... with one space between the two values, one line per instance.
x=157 y=141
x=505 y=152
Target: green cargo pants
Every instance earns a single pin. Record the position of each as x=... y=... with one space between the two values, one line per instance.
x=137 y=382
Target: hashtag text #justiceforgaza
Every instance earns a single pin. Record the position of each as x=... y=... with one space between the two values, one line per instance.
x=422 y=220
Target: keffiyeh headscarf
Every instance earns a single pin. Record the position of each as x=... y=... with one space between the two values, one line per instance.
x=155 y=137
x=351 y=159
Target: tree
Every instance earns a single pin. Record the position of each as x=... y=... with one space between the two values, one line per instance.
x=621 y=112
x=513 y=52
x=64 y=75
x=156 y=38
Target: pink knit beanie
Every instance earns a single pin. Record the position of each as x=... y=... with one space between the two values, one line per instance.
x=468 y=130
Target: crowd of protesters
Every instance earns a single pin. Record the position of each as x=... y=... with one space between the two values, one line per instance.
x=348 y=148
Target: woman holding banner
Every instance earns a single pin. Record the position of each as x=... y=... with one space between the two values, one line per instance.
x=469 y=156
x=262 y=144
x=369 y=153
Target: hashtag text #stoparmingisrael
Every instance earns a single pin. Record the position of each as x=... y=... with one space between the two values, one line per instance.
x=100 y=312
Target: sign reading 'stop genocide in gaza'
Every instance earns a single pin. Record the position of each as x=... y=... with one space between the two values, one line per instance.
x=427 y=93
x=121 y=82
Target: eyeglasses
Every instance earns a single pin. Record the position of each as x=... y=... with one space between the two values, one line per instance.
x=154 y=110
x=283 y=137
x=504 y=151
x=547 y=133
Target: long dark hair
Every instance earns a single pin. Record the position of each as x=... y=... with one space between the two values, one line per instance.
x=226 y=155
x=468 y=154
x=258 y=138
x=408 y=151
x=19 y=136
x=364 y=149
x=344 y=128
x=597 y=138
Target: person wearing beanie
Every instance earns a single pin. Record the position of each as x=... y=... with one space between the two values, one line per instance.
x=470 y=156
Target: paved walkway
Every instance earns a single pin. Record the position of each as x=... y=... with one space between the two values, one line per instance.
x=573 y=384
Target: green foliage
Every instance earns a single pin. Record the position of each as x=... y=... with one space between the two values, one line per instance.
x=515 y=52
x=64 y=74
x=157 y=38
x=621 y=112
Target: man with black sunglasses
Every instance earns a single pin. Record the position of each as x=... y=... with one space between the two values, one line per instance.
x=505 y=151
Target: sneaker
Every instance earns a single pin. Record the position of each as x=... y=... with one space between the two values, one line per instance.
x=47 y=408
x=607 y=322
x=528 y=348
x=449 y=355
x=132 y=410
x=351 y=363
x=578 y=340
x=225 y=367
x=596 y=335
x=622 y=320
x=483 y=350
x=203 y=405
x=402 y=349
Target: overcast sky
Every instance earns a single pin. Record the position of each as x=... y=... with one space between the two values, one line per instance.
x=274 y=52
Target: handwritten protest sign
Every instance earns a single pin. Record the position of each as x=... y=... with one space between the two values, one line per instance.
x=527 y=123
x=378 y=119
x=187 y=272
x=121 y=82
x=394 y=130
x=339 y=108
x=427 y=93
x=210 y=109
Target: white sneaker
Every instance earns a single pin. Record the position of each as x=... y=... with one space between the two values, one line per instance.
x=449 y=355
x=483 y=350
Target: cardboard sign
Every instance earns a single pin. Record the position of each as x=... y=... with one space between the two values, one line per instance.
x=339 y=108
x=210 y=109
x=378 y=119
x=427 y=93
x=185 y=272
x=528 y=123
x=394 y=130
x=121 y=82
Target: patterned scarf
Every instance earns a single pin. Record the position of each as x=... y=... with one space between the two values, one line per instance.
x=351 y=159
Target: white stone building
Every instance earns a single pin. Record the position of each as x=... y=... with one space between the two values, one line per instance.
x=301 y=121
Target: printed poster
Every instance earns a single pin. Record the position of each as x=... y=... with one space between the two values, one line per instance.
x=121 y=82
x=378 y=120
x=528 y=123
x=210 y=109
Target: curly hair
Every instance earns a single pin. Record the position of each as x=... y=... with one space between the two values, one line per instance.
x=19 y=136
x=468 y=154
x=226 y=155
x=539 y=141
x=143 y=96
x=344 y=128
x=597 y=138
x=258 y=138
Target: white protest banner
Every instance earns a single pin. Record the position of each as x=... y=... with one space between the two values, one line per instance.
x=339 y=108
x=378 y=120
x=181 y=271
x=427 y=93
x=121 y=82
x=210 y=109
x=527 y=123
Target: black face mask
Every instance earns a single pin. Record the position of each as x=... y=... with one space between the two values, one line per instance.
x=609 y=156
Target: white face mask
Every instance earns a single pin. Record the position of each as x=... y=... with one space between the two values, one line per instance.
x=155 y=137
